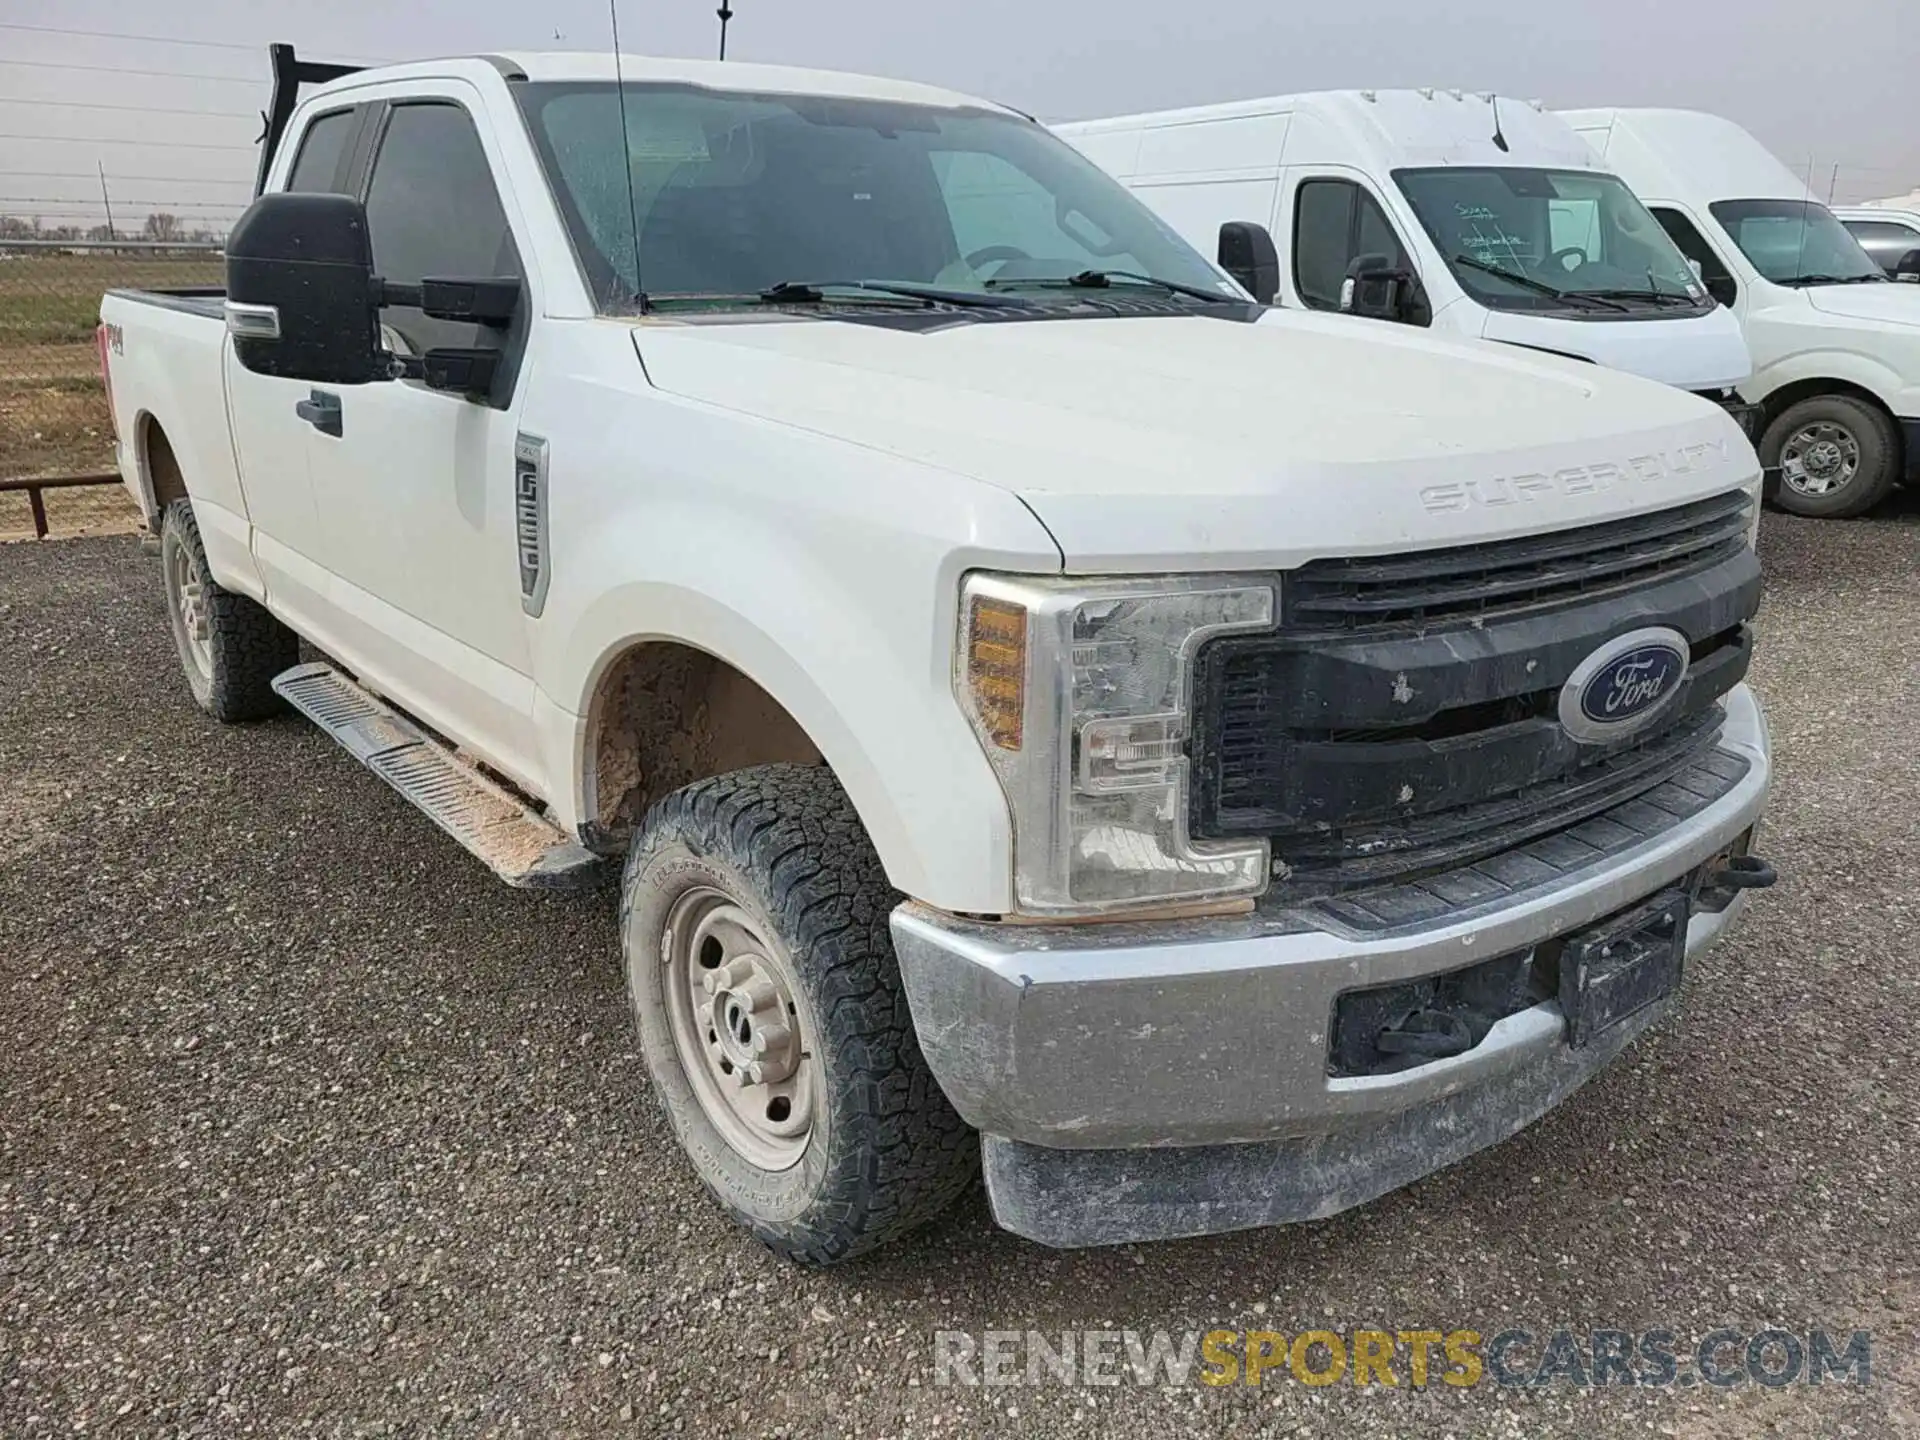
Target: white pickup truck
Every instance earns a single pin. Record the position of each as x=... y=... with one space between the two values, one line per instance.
x=1206 y=765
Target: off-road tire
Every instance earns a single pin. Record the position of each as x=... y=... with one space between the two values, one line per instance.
x=1872 y=431
x=886 y=1151
x=246 y=646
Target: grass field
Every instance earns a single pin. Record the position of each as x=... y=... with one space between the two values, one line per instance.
x=53 y=414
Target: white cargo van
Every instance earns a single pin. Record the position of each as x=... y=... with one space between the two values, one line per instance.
x=1836 y=346
x=1470 y=214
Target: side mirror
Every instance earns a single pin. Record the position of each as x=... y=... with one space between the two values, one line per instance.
x=303 y=302
x=1374 y=290
x=1248 y=254
x=301 y=297
x=1909 y=266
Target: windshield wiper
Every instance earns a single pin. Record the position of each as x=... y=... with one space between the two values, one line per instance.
x=1871 y=279
x=1103 y=279
x=814 y=292
x=1653 y=295
x=1539 y=287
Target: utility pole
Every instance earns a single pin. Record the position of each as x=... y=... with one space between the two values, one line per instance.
x=106 y=204
x=725 y=12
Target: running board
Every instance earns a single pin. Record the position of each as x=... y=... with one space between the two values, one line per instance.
x=519 y=845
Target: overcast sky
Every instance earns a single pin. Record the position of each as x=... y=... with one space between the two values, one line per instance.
x=1823 y=82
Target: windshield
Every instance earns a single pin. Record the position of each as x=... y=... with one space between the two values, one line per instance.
x=1795 y=242
x=735 y=193
x=1568 y=231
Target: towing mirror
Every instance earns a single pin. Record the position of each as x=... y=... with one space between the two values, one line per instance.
x=301 y=292
x=1375 y=290
x=1248 y=254
x=1909 y=266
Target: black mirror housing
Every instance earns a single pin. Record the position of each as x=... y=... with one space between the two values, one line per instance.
x=1909 y=266
x=1248 y=254
x=301 y=295
x=1374 y=290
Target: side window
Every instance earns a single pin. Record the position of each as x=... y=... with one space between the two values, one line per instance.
x=1692 y=244
x=1885 y=240
x=432 y=209
x=1322 y=230
x=1575 y=225
x=322 y=149
x=1334 y=223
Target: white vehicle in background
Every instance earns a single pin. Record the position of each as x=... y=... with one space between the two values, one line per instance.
x=1889 y=235
x=1836 y=347
x=1464 y=213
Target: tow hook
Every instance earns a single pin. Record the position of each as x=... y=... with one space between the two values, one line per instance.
x=1743 y=872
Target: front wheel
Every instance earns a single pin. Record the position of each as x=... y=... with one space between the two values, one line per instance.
x=230 y=647
x=773 y=1020
x=1836 y=456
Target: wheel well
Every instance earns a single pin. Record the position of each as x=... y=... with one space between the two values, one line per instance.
x=665 y=715
x=1778 y=403
x=161 y=475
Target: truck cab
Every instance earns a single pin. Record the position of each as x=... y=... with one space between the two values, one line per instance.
x=1471 y=215
x=1045 y=714
x=1836 y=344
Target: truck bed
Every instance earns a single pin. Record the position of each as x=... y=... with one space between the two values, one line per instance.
x=192 y=299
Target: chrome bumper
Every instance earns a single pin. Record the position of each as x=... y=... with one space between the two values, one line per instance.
x=1215 y=1033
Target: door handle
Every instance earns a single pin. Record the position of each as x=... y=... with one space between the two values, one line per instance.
x=321 y=410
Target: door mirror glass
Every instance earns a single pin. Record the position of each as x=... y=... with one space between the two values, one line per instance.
x=1909 y=266
x=301 y=293
x=1248 y=254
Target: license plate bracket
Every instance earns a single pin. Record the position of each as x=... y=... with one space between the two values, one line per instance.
x=1620 y=967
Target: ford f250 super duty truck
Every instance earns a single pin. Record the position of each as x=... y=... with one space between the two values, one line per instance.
x=1205 y=765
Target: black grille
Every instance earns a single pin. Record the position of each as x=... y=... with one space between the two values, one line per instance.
x=1511 y=576
x=1405 y=716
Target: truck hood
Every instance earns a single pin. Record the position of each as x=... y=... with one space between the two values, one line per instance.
x=1880 y=304
x=1148 y=443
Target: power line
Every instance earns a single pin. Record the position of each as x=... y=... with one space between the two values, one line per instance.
x=135 y=70
x=172 y=204
x=112 y=140
x=145 y=179
x=136 y=109
x=156 y=39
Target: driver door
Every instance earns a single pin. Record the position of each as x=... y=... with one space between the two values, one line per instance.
x=413 y=496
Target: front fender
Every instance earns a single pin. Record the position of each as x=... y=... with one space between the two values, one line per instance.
x=1788 y=355
x=827 y=574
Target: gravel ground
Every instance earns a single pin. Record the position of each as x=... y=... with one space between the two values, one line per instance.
x=307 y=1124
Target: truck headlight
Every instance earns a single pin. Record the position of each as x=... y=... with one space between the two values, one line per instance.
x=1079 y=692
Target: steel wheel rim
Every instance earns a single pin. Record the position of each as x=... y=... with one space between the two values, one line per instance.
x=729 y=993
x=1819 y=459
x=188 y=602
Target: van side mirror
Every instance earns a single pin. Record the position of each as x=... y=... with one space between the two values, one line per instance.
x=1375 y=290
x=303 y=302
x=1248 y=254
x=1909 y=266
x=301 y=293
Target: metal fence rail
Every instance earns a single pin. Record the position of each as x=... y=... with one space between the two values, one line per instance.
x=53 y=412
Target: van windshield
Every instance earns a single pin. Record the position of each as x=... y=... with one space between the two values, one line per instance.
x=1562 y=241
x=720 y=195
x=1796 y=242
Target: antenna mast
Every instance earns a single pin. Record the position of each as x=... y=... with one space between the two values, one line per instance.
x=725 y=12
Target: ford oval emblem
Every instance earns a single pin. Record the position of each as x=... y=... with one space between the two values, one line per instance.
x=1624 y=685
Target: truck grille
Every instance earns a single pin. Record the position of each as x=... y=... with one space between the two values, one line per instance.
x=1509 y=576
x=1404 y=717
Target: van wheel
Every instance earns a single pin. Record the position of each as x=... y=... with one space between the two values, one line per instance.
x=1836 y=456
x=230 y=647
x=772 y=1017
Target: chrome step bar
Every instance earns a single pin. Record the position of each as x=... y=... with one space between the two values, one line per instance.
x=518 y=844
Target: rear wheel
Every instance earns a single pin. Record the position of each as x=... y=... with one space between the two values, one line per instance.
x=772 y=1018
x=1836 y=456
x=229 y=646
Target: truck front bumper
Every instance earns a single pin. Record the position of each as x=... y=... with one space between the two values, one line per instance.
x=1142 y=1081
